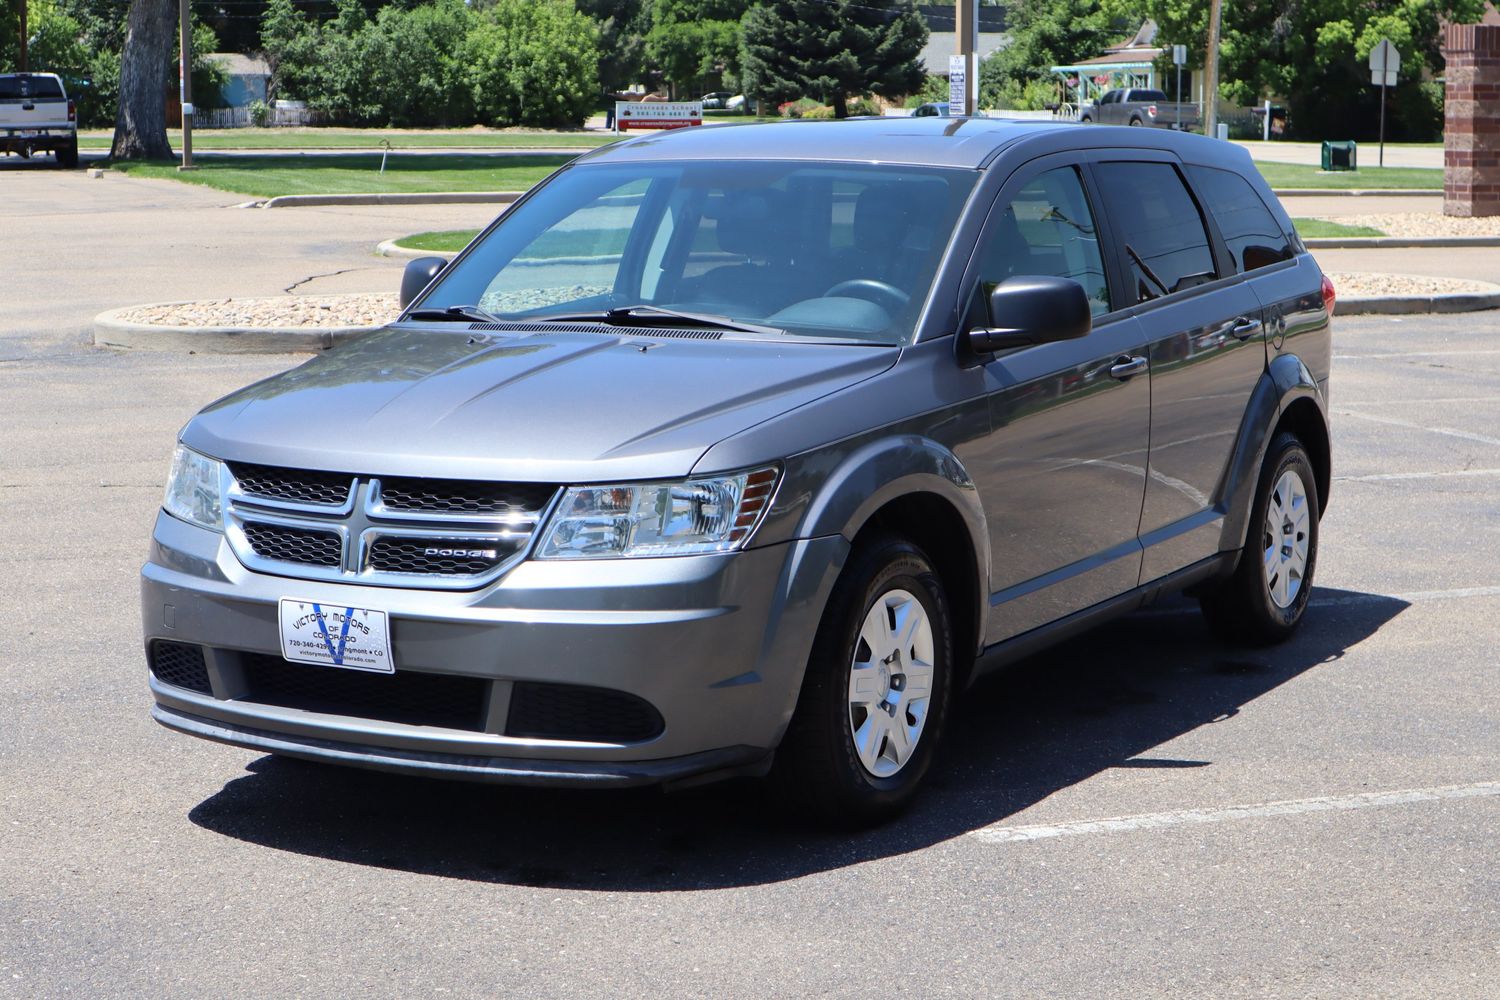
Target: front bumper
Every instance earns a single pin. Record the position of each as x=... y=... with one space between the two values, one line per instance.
x=715 y=644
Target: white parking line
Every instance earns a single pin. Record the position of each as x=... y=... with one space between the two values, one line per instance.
x=1386 y=477
x=1392 y=421
x=1001 y=834
x=1411 y=354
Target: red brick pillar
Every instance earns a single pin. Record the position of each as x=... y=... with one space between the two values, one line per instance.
x=1471 y=133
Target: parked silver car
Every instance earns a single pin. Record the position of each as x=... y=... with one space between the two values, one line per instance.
x=750 y=448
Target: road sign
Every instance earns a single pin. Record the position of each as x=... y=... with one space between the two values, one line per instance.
x=1179 y=55
x=958 y=85
x=1385 y=63
x=1384 y=58
x=657 y=114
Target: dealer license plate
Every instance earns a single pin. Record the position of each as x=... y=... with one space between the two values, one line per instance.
x=334 y=636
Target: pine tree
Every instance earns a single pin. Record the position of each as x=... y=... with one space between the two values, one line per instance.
x=832 y=50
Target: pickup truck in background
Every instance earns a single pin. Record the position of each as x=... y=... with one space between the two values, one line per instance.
x=1126 y=106
x=36 y=116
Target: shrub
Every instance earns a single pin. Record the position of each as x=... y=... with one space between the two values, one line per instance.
x=532 y=62
x=260 y=113
x=821 y=111
x=798 y=108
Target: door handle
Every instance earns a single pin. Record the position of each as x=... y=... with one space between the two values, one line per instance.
x=1244 y=328
x=1125 y=366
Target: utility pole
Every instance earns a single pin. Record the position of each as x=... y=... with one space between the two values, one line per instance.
x=966 y=33
x=1211 y=71
x=24 y=33
x=185 y=84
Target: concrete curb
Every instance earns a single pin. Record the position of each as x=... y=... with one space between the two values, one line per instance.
x=1358 y=192
x=1405 y=305
x=419 y=198
x=1397 y=242
x=112 y=331
x=388 y=248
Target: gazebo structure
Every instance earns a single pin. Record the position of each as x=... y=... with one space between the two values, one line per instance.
x=1132 y=64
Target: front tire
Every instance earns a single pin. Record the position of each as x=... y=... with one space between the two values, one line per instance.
x=1265 y=599
x=875 y=696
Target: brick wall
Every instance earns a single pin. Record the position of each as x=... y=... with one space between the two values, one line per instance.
x=1471 y=134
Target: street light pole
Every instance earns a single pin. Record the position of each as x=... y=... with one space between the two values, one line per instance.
x=185 y=85
x=1211 y=71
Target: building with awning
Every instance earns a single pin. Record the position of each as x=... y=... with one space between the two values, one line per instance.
x=1130 y=64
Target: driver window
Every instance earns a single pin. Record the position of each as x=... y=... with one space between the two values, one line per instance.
x=1046 y=228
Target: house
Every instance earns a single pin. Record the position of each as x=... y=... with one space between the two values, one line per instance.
x=1131 y=63
x=247 y=80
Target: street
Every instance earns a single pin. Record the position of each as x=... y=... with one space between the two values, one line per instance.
x=1138 y=812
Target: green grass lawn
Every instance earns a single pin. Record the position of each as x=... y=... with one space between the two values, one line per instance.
x=353 y=138
x=270 y=176
x=449 y=241
x=1297 y=175
x=1315 y=228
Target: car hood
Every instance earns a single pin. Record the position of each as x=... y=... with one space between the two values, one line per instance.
x=550 y=407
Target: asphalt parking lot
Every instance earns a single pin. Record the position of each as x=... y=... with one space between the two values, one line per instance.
x=1139 y=812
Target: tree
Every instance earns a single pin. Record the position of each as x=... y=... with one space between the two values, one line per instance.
x=622 y=28
x=1043 y=34
x=1313 y=56
x=532 y=62
x=141 y=120
x=694 y=42
x=832 y=50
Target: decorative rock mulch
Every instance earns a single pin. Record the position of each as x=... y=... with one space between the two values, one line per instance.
x=283 y=311
x=1349 y=285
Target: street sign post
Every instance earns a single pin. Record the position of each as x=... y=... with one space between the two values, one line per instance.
x=958 y=86
x=1179 y=57
x=1385 y=63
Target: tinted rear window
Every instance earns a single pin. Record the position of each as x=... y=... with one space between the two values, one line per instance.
x=1147 y=95
x=1254 y=237
x=15 y=87
x=1160 y=227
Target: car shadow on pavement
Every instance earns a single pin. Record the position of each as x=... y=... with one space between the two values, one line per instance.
x=1101 y=700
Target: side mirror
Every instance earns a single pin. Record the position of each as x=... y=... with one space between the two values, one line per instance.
x=418 y=275
x=1033 y=309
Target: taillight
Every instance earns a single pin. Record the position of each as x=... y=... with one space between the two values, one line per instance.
x=1151 y=111
x=72 y=111
x=1329 y=295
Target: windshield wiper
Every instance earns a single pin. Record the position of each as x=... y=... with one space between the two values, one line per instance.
x=470 y=314
x=644 y=315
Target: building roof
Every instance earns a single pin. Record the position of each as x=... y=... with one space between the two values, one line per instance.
x=239 y=64
x=941 y=17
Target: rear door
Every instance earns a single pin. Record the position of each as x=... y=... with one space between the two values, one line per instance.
x=1205 y=334
x=1062 y=475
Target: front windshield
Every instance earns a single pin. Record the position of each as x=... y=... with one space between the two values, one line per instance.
x=816 y=250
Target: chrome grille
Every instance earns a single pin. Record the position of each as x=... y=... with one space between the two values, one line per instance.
x=398 y=531
x=305 y=486
x=283 y=543
x=441 y=556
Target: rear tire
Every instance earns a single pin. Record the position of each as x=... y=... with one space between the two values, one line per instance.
x=875 y=697
x=1264 y=601
x=1136 y=123
x=67 y=156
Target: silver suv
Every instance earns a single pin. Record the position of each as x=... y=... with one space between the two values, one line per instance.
x=749 y=448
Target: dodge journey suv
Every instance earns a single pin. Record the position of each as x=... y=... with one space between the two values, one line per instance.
x=747 y=449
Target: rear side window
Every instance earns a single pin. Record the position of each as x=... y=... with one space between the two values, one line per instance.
x=1147 y=95
x=1046 y=228
x=1254 y=237
x=1158 y=226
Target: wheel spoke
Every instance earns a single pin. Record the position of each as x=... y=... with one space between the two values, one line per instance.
x=901 y=740
x=918 y=681
x=869 y=738
x=864 y=686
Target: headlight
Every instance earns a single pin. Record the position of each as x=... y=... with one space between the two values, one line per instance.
x=658 y=519
x=193 y=490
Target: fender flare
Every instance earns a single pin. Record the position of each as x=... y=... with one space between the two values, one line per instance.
x=1285 y=382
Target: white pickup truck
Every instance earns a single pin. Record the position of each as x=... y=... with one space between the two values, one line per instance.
x=36 y=116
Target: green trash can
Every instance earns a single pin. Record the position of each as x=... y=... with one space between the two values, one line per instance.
x=1340 y=155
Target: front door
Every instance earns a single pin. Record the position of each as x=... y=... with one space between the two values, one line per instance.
x=1062 y=475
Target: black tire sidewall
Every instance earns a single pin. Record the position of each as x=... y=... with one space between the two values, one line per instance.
x=1287 y=454
x=849 y=790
